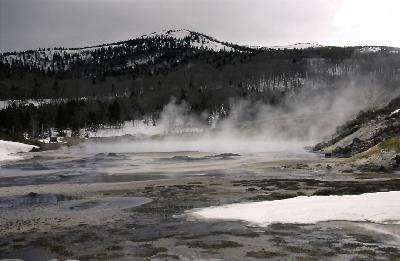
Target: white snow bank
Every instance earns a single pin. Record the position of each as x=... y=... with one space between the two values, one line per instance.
x=395 y=112
x=9 y=150
x=381 y=207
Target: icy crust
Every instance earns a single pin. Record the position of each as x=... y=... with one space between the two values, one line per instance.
x=381 y=207
x=9 y=150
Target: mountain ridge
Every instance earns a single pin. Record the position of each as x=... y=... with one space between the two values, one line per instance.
x=172 y=33
x=184 y=33
x=147 y=49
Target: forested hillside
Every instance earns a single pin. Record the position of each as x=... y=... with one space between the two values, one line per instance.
x=107 y=84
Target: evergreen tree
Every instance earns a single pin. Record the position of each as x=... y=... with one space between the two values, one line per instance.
x=115 y=112
x=61 y=119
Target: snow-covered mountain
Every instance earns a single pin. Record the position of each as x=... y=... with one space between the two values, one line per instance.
x=137 y=51
x=142 y=50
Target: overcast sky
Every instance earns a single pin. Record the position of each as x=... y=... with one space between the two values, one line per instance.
x=30 y=24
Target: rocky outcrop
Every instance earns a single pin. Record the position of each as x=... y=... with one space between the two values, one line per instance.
x=365 y=131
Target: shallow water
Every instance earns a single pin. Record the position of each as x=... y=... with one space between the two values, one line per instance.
x=105 y=160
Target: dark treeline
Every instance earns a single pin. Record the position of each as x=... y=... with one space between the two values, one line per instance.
x=261 y=71
x=19 y=120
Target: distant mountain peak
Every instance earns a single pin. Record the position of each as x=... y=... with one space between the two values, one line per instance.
x=196 y=40
x=139 y=50
x=174 y=33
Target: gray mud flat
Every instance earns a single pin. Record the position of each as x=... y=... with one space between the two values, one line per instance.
x=149 y=222
x=125 y=219
x=106 y=204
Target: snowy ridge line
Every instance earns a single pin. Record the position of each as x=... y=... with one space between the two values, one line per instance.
x=380 y=207
x=181 y=34
x=62 y=59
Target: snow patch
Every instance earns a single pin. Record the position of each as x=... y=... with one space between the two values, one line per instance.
x=381 y=207
x=9 y=150
x=211 y=45
x=395 y=112
x=370 y=49
x=177 y=34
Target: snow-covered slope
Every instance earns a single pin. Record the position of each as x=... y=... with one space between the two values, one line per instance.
x=57 y=59
x=196 y=40
x=177 y=34
x=9 y=150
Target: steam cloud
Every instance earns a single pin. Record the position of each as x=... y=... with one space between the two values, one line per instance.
x=303 y=119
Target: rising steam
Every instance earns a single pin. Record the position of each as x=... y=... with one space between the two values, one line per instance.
x=303 y=119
